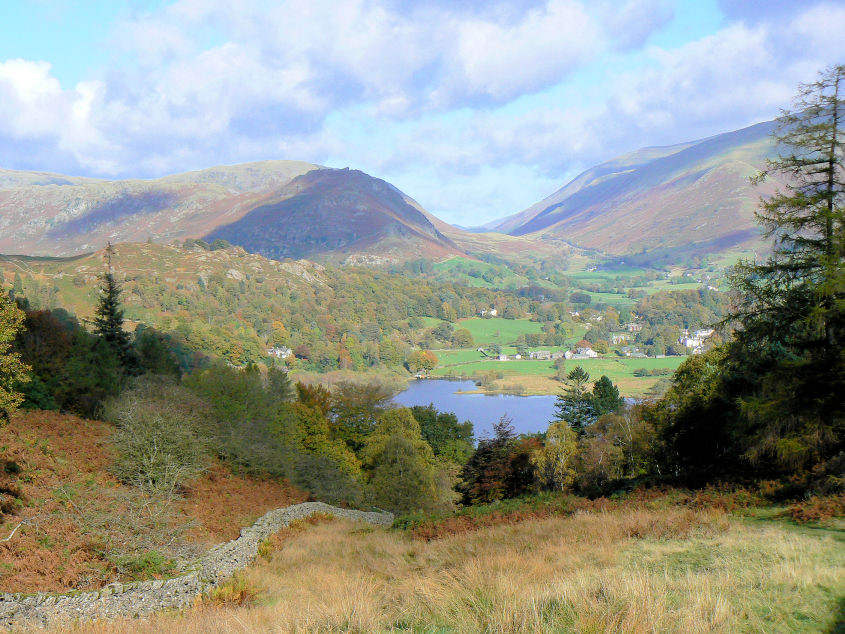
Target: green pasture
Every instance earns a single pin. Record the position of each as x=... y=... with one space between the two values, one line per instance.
x=664 y=285
x=577 y=334
x=536 y=368
x=607 y=274
x=431 y=322
x=497 y=330
x=611 y=299
x=452 y=357
x=616 y=369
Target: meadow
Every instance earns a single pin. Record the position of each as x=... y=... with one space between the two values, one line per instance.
x=536 y=377
x=458 y=269
x=633 y=570
x=497 y=330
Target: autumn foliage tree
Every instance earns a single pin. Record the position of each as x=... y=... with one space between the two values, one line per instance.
x=422 y=361
x=13 y=371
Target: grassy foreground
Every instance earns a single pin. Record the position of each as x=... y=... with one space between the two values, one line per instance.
x=627 y=570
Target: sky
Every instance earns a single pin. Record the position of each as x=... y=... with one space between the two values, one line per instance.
x=477 y=109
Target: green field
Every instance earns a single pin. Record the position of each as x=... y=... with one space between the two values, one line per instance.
x=497 y=330
x=665 y=285
x=430 y=322
x=452 y=357
x=457 y=269
x=611 y=299
x=537 y=375
x=614 y=368
x=577 y=334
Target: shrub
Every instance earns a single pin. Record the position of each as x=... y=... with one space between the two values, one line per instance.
x=149 y=564
x=158 y=437
x=237 y=591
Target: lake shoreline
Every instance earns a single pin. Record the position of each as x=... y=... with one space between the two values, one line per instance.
x=530 y=413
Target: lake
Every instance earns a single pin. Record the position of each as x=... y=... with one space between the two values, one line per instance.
x=530 y=414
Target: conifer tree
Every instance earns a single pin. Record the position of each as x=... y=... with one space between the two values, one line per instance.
x=574 y=405
x=792 y=306
x=108 y=322
x=605 y=397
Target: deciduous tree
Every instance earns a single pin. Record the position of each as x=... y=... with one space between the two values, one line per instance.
x=422 y=360
x=12 y=370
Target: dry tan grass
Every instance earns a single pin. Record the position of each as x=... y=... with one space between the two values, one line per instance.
x=677 y=570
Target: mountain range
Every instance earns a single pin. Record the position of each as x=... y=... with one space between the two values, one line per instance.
x=691 y=198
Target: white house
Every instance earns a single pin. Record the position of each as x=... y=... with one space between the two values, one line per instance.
x=619 y=337
x=580 y=353
x=695 y=340
x=280 y=352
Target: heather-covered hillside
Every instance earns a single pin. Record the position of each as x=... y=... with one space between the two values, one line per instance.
x=690 y=198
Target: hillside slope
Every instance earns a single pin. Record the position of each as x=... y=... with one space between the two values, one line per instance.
x=666 y=569
x=341 y=212
x=79 y=528
x=54 y=215
x=231 y=304
x=693 y=198
x=276 y=208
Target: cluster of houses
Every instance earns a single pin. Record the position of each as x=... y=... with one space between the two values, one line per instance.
x=630 y=331
x=696 y=339
x=280 y=352
x=582 y=350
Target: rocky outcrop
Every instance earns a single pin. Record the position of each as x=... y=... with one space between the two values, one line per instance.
x=145 y=597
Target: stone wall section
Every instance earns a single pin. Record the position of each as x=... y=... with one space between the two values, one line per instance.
x=144 y=597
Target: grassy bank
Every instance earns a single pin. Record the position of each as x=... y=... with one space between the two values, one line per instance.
x=674 y=569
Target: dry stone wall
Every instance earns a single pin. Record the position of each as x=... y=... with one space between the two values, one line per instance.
x=145 y=597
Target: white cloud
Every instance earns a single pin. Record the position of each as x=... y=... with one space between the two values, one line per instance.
x=33 y=105
x=629 y=23
x=502 y=61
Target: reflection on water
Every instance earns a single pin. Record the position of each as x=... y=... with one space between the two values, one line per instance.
x=530 y=414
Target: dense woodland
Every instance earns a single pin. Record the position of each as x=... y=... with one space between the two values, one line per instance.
x=331 y=317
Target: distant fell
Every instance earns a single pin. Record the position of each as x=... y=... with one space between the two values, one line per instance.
x=277 y=208
x=55 y=215
x=691 y=198
x=343 y=212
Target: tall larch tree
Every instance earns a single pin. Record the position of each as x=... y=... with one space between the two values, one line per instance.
x=791 y=316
